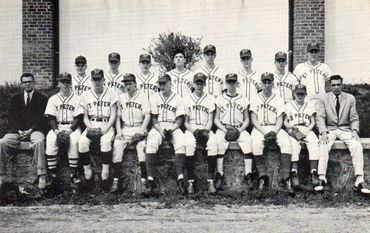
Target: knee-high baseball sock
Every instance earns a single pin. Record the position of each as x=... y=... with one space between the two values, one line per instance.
x=180 y=162
x=142 y=165
x=212 y=163
x=190 y=167
x=220 y=164
x=52 y=164
x=85 y=161
x=106 y=161
x=294 y=166
x=150 y=165
x=314 y=165
x=116 y=168
x=285 y=163
x=261 y=164
x=248 y=163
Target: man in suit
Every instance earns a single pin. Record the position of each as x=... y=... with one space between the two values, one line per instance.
x=26 y=123
x=338 y=118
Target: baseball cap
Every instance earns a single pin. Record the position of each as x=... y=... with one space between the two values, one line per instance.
x=129 y=77
x=145 y=57
x=313 y=45
x=231 y=77
x=267 y=76
x=245 y=53
x=280 y=55
x=97 y=74
x=65 y=76
x=164 y=78
x=80 y=59
x=199 y=77
x=209 y=48
x=300 y=88
x=114 y=57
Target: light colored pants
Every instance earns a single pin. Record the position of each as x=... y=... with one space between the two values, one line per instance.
x=38 y=144
x=190 y=143
x=244 y=142
x=105 y=140
x=51 y=142
x=120 y=145
x=312 y=143
x=282 y=139
x=354 y=147
x=155 y=139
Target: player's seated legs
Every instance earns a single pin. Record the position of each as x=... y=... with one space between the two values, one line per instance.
x=312 y=143
x=260 y=158
x=51 y=154
x=222 y=146
x=283 y=141
x=245 y=143
x=73 y=155
x=84 y=155
x=212 y=161
x=8 y=142
x=153 y=142
x=38 y=140
x=190 y=144
x=106 y=153
x=180 y=158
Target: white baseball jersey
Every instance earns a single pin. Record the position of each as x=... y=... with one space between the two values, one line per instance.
x=65 y=109
x=299 y=115
x=267 y=110
x=313 y=77
x=248 y=83
x=99 y=106
x=80 y=84
x=198 y=108
x=167 y=109
x=181 y=82
x=284 y=85
x=147 y=83
x=114 y=82
x=232 y=109
x=215 y=80
x=133 y=109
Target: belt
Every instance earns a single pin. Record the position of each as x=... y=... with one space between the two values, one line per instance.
x=100 y=119
x=166 y=121
x=64 y=123
x=133 y=125
x=228 y=125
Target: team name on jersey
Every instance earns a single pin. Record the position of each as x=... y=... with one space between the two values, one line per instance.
x=184 y=81
x=131 y=104
x=99 y=103
x=198 y=108
x=232 y=105
x=215 y=78
x=250 y=80
x=167 y=107
x=115 y=84
x=267 y=107
x=300 y=116
x=149 y=86
x=310 y=71
x=65 y=107
x=284 y=84
x=80 y=87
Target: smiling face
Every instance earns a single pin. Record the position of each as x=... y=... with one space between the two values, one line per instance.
x=65 y=85
x=28 y=83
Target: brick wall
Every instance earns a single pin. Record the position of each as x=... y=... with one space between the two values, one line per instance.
x=308 y=24
x=40 y=43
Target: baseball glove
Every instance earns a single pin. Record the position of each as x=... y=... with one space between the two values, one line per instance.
x=232 y=134
x=94 y=134
x=270 y=141
x=138 y=137
x=201 y=136
x=296 y=134
x=168 y=134
x=63 y=139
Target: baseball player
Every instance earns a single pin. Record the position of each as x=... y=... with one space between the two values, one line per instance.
x=215 y=75
x=65 y=116
x=167 y=111
x=249 y=82
x=300 y=114
x=181 y=76
x=146 y=79
x=134 y=113
x=100 y=109
x=284 y=81
x=267 y=113
x=113 y=76
x=81 y=80
x=199 y=112
x=232 y=112
x=314 y=74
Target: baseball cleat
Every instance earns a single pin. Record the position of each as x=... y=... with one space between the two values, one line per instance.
x=362 y=188
x=181 y=186
x=211 y=187
x=248 y=180
x=114 y=187
x=219 y=181
x=75 y=180
x=151 y=185
x=315 y=178
x=288 y=185
x=190 y=188
x=320 y=187
x=263 y=183
x=295 y=180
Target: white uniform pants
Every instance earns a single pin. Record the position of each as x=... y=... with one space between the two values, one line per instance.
x=244 y=142
x=282 y=139
x=155 y=139
x=354 y=147
x=51 y=142
x=121 y=144
x=312 y=143
x=190 y=143
x=105 y=140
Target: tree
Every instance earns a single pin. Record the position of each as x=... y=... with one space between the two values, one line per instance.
x=163 y=47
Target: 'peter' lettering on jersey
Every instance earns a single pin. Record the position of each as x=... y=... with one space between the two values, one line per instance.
x=64 y=108
x=99 y=106
x=147 y=83
x=267 y=109
x=114 y=82
x=232 y=109
x=248 y=84
x=299 y=115
x=168 y=108
x=198 y=108
x=133 y=109
x=80 y=84
x=215 y=80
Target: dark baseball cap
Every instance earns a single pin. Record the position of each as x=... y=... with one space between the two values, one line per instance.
x=114 y=57
x=97 y=74
x=65 y=76
x=267 y=76
x=245 y=53
x=231 y=77
x=164 y=78
x=280 y=55
x=80 y=60
x=145 y=57
x=313 y=45
x=199 y=77
x=209 y=48
x=129 y=77
x=300 y=88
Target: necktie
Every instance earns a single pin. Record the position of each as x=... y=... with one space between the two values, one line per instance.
x=337 y=105
x=28 y=99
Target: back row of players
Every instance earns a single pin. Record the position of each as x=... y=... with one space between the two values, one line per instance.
x=119 y=104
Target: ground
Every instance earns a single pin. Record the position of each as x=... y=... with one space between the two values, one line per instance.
x=191 y=217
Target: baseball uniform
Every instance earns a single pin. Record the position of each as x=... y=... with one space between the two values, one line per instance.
x=215 y=82
x=114 y=82
x=181 y=82
x=301 y=117
x=248 y=84
x=284 y=85
x=232 y=114
x=80 y=84
x=147 y=83
x=198 y=109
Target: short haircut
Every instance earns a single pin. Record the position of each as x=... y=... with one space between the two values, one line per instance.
x=336 y=77
x=177 y=51
x=28 y=75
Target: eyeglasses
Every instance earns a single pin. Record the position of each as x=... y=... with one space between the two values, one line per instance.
x=266 y=81
x=245 y=58
x=314 y=51
x=27 y=82
x=65 y=81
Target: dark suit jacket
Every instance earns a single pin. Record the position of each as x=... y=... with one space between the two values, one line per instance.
x=21 y=117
